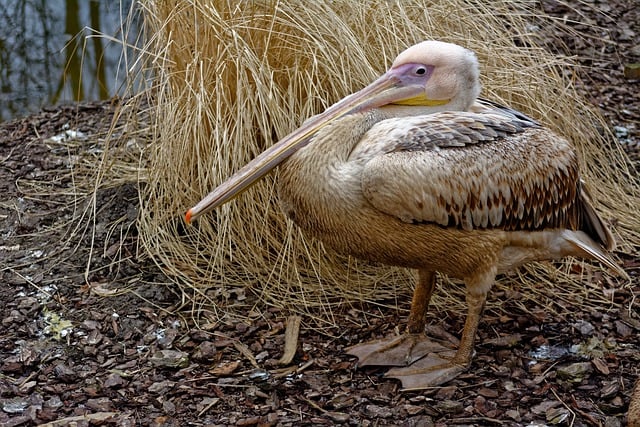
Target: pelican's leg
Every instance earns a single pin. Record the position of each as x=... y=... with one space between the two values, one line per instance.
x=436 y=369
x=420 y=301
x=405 y=349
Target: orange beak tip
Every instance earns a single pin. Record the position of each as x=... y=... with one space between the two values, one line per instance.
x=187 y=217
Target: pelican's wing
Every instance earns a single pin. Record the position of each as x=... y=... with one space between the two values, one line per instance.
x=472 y=170
x=482 y=105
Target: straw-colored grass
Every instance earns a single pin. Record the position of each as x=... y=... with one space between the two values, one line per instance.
x=229 y=78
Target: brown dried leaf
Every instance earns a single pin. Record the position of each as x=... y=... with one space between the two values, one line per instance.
x=290 y=339
x=225 y=368
x=601 y=365
x=505 y=341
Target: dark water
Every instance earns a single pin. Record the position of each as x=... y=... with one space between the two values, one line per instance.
x=48 y=55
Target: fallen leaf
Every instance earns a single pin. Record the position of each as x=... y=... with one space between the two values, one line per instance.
x=225 y=368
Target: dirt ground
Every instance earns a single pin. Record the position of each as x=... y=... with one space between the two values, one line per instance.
x=75 y=351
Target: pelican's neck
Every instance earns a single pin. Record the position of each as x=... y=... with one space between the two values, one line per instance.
x=456 y=104
x=334 y=143
x=320 y=175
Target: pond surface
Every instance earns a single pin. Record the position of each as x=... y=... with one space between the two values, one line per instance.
x=57 y=51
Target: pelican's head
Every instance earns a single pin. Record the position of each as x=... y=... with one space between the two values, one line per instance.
x=449 y=75
x=434 y=76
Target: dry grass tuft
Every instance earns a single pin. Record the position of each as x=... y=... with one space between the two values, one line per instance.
x=228 y=79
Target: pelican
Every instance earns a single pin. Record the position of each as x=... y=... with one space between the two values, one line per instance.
x=416 y=171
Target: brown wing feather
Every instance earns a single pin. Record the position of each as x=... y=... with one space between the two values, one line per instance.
x=471 y=171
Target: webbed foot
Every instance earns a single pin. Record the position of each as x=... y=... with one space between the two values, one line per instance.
x=432 y=370
x=401 y=350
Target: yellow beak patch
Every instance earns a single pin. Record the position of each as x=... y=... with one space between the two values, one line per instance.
x=422 y=100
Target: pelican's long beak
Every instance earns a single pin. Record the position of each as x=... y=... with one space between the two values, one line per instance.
x=385 y=90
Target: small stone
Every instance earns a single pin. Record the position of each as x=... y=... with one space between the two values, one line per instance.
x=256 y=347
x=28 y=303
x=28 y=386
x=449 y=406
x=170 y=359
x=376 y=411
x=609 y=390
x=225 y=368
x=574 y=372
x=509 y=386
x=412 y=409
x=259 y=375
x=54 y=402
x=623 y=329
x=612 y=406
x=47 y=414
x=585 y=328
x=262 y=355
x=14 y=406
x=621 y=132
x=90 y=350
x=272 y=419
x=65 y=373
x=166 y=337
x=617 y=402
x=557 y=415
x=419 y=421
x=505 y=341
x=207 y=403
x=488 y=392
x=514 y=415
x=168 y=407
x=199 y=335
x=205 y=351
x=161 y=387
x=339 y=417
x=601 y=365
x=632 y=71
x=18 y=421
x=548 y=352
x=480 y=405
x=12 y=364
x=91 y=325
x=93 y=338
x=342 y=401
x=446 y=392
x=248 y=421
x=114 y=381
x=101 y=404
x=612 y=422
x=545 y=406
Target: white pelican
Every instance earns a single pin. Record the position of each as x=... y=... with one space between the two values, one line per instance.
x=415 y=171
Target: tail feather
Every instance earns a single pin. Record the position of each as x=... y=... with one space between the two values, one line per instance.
x=593 y=250
x=592 y=224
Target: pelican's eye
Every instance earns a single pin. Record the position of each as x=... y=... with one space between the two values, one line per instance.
x=421 y=70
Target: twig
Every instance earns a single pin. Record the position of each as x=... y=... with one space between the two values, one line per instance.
x=314 y=405
x=280 y=373
x=573 y=414
x=247 y=353
x=98 y=416
x=209 y=406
